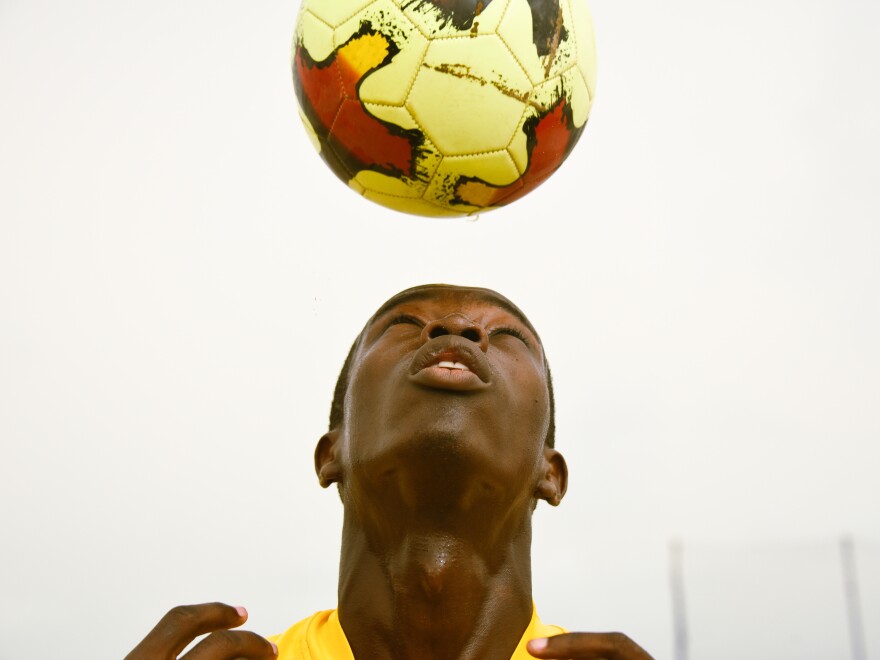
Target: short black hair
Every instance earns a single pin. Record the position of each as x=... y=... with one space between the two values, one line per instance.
x=337 y=407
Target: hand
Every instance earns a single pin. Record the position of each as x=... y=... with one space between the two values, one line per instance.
x=183 y=624
x=588 y=646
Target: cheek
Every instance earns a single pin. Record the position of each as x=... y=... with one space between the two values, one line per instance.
x=534 y=409
x=527 y=375
x=364 y=391
x=372 y=380
x=530 y=397
x=539 y=399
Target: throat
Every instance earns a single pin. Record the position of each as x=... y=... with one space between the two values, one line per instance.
x=436 y=553
x=435 y=596
x=434 y=571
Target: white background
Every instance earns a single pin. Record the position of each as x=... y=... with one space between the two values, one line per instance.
x=180 y=278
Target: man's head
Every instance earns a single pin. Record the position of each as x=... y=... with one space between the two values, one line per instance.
x=445 y=374
x=337 y=407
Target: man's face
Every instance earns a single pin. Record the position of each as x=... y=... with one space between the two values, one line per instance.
x=447 y=378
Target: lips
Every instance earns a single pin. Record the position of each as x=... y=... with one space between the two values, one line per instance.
x=451 y=362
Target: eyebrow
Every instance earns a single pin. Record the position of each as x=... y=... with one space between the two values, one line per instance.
x=482 y=295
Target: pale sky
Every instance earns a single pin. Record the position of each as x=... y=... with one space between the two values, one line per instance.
x=181 y=276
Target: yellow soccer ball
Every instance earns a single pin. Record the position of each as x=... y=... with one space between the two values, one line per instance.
x=444 y=107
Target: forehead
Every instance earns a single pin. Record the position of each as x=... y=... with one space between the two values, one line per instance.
x=444 y=293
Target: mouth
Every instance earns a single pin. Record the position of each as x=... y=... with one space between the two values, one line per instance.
x=451 y=363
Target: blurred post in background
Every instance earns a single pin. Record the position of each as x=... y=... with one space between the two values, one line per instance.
x=853 y=602
x=679 y=614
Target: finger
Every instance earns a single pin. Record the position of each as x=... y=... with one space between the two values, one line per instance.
x=182 y=625
x=233 y=645
x=588 y=646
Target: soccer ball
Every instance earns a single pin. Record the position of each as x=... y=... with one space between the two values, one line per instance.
x=444 y=107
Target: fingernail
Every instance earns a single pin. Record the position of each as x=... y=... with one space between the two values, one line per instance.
x=274 y=648
x=241 y=612
x=538 y=644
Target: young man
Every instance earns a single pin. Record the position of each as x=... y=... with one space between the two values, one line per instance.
x=441 y=443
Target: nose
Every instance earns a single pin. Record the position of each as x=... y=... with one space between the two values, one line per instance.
x=457 y=324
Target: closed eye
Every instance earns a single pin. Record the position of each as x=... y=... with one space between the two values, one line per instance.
x=513 y=332
x=404 y=318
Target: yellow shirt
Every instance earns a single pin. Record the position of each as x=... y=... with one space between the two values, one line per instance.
x=320 y=637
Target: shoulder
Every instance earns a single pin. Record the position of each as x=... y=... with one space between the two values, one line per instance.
x=316 y=637
x=546 y=630
x=538 y=628
x=293 y=643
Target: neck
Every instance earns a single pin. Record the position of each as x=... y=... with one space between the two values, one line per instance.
x=424 y=578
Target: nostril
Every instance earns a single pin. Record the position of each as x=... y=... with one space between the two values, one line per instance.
x=438 y=331
x=472 y=335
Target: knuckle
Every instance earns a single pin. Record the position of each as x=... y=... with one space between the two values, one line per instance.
x=182 y=615
x=226 y=640
x=619 y=641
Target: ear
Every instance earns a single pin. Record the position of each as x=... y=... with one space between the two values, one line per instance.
x=554 y=482
x=326 y=466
